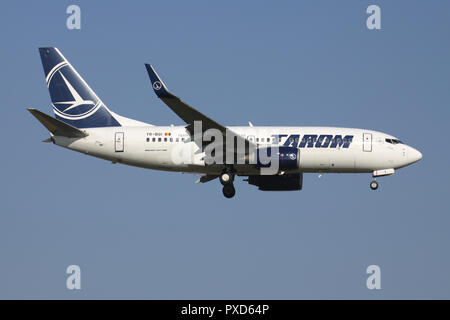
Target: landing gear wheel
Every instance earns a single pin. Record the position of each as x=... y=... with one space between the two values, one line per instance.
x=225 y=178
x=228 y=190
x=374 y=185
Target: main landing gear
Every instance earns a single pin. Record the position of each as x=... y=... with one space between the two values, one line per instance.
x=226 y=179
x=228 y=190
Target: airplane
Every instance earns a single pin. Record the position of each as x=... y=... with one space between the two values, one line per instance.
x=85 y=124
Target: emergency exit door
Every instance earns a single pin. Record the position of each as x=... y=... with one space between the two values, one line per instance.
x=367 y=142
x=118 y=143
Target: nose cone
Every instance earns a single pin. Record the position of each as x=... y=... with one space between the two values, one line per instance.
x=414 y=155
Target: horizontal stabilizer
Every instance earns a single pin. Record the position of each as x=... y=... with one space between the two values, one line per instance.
x=57 y=127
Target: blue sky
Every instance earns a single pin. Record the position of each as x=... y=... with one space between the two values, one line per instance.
x=145 y=234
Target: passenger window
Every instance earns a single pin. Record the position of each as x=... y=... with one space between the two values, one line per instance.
x=165 y=139
x=176 y=140
x=159 y=139
x=148 y=139
x=153 y=139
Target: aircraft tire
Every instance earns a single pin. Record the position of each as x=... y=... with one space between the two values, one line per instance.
x=228 y=190
x=225 y=178
x=374 y=185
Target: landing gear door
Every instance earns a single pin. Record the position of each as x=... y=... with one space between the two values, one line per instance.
x=367 y=142
x=118 y=142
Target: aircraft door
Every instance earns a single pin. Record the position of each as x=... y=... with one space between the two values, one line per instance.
x=367 y=142
x=119 y=142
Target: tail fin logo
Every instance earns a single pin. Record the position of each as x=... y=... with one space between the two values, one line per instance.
x=78 y=100
x=71 y=97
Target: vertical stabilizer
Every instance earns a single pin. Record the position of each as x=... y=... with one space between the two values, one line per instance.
x=74 y=102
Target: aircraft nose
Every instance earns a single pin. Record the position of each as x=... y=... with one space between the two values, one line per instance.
x=414 y=155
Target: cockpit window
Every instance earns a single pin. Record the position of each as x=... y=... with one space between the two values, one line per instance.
x=394 y=141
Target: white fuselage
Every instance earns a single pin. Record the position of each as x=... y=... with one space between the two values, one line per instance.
x=169 y=148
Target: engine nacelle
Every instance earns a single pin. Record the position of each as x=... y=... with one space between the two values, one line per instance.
x=288 y=157
x=283 y=182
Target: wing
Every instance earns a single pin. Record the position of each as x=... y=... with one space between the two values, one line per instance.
x=189 y=114
x=181 y=108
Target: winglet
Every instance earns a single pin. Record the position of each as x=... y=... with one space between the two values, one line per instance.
x=158 y=85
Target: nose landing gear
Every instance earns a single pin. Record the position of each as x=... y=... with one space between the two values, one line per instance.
x=374 y=185
x=380 y=173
